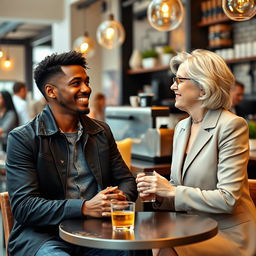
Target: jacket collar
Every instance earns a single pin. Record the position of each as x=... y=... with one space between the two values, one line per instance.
x=210 y=120
x=204 y=135
x=47 y=125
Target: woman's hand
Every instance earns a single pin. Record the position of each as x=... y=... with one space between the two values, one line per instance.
x=156 y=184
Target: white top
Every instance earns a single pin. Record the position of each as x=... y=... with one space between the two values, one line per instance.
x=21 y=108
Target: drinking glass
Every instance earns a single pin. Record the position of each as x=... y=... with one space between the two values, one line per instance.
x=122 y=215
x=152 y=197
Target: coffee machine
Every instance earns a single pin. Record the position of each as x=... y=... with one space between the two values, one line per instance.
x=152 y=140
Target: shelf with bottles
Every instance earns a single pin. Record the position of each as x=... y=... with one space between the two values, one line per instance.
x=214 y=21
x=243 y=52
x=240 y=60
x=212 y=13
x=147 y=70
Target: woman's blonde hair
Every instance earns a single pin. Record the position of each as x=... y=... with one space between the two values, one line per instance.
x=210 y=72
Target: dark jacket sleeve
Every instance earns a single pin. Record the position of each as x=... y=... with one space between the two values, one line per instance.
x=28 y=204
x=122 y=176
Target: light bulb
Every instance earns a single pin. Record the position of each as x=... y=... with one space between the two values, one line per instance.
x=165 y=15
x=239 y=10
x=85 y=45
x=110 y=33
x=7 y=63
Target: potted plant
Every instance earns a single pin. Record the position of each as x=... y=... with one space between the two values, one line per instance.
x=167 y=53
x=252 y=134
x=149 y=58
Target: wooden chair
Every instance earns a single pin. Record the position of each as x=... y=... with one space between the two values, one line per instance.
x=7 y=216
x=125 y=148
x=252 y=189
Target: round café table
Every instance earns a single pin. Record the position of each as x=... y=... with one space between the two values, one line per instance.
x=151 y=230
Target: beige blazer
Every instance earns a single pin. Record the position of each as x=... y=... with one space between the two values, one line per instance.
x=213 y=179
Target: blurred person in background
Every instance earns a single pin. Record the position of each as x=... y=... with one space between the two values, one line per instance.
x=8 y=117
x=97 y=111
x=210 y=156
x=237 y=94
x=20 y=103
x=36 y=107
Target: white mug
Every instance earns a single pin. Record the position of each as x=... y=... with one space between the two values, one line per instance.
x=134 y=101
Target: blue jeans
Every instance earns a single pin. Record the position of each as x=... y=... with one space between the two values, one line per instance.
x=58 y=247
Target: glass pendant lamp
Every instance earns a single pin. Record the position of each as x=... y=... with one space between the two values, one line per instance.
x=7 y=63
x=239 y=10
x=85 y=45
x=165 y=15
x=1 y=53
x=110 y=33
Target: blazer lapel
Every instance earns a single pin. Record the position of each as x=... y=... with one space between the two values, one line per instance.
x=181 y=143
x=203 y=136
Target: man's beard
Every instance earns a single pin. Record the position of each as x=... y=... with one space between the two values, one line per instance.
x=83 y=112
x=78 y=111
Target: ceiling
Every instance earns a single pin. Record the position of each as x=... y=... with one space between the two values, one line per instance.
x=14 y=32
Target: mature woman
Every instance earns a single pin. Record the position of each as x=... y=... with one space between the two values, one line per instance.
x=8 y=117
x=209 y=161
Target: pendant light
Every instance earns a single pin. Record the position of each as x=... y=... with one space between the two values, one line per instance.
x=1 y=53
x=239 y=10
x=165 y=15
x=7 y=63
x=85 y=44
x=110 y=33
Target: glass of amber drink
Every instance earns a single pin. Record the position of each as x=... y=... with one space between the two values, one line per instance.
x=122 y=215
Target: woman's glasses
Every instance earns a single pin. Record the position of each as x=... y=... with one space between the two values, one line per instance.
x=178 y=80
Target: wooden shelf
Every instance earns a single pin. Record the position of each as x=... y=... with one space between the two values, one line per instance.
x=214 y=21
x=246 y=59
x=148 y=70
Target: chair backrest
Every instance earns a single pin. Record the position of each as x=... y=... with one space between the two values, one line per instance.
x=252 y=189
x=7 y=216
x=125 y=148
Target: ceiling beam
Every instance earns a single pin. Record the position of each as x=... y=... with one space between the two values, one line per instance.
x=7 y=27
x=45 y=37
x=86 y=3
x=4 y=41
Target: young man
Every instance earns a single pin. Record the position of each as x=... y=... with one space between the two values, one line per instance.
x=62 y=164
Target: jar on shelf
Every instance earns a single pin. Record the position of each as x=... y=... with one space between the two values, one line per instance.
x=220 y=36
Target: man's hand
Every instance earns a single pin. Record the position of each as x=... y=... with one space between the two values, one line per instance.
x=99 y=205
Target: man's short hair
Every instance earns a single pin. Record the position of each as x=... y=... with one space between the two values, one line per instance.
x=18 y=86
x=51 y=66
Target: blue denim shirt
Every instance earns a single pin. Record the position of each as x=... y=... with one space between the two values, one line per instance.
x=81 y=183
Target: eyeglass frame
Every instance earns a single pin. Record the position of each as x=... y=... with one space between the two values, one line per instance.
x=177 y=79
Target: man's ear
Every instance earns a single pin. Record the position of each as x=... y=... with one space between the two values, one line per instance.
x=50 y=91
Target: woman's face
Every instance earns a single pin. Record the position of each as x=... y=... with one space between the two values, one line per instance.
x=186 y=91
x=2 y=105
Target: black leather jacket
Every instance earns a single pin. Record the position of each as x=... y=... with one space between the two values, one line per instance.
x=37 y=168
